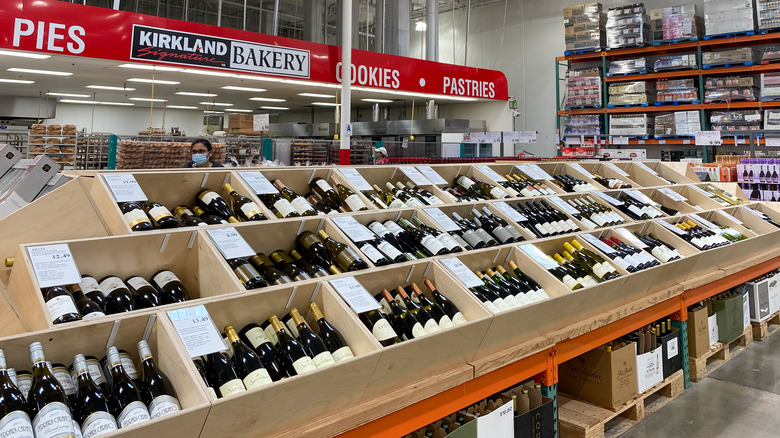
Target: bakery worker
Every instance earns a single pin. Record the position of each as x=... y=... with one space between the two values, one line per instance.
x=201 y=154
x=381 y=156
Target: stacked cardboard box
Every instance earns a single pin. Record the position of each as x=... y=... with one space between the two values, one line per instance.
x=740 y=55
x=630 y=93
x=728 y=16
x=770 y=86
x=583 y=88
x=676 y=90
x=730 y=88
x=772 y=119
x=768 y=14
x=631 y=125
x=606 y=377
x=678 y=123
x=628 y=66
x=731 y=122
x=675 y=62
x=628 y=26
x=584 y=27
x=587 y=124
x=681 y=22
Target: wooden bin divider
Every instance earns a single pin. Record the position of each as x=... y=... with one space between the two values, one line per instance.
x=671 y=200
x=641 y=174
x=726 y=221
x=609 y=170
x=752 y=221
x=696 y=197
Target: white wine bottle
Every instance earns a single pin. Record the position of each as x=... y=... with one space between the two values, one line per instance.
x=319 y=353
x=91 y=408
x=14 y=421
x=156 y=390
x=46 y=401
x=127 y=406
x=248 y=365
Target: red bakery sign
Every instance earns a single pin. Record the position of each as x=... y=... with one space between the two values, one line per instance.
x=70 y=29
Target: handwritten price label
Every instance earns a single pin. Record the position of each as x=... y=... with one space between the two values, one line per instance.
x=54 y=265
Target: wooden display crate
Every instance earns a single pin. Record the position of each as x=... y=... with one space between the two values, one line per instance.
x=464 y=211
x=730 y=187
x=418 y=359
x=645 y=174
x=668 y=197
x=597 y=200
x=510 y=169
x=570 y=168
x=169 y=188
x=727 y=221
x=752 y=221
x=554 y=205
x=186 y=253
x=381 y=175
x=290 y=402
x=609 y=170
x=699 y=198
x=62 y=344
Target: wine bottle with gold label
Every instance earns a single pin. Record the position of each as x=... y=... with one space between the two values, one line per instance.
x=245 y=208
x=293 y=355
x=222 y=376
x=319 y=353
x=210 y=201
x=135 y=216
x=248 y=275
x=248 y=365
x=345 y=257
x=330 y=336
x=161 y=216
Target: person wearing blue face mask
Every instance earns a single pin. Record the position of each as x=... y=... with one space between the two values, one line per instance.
x=201 y=154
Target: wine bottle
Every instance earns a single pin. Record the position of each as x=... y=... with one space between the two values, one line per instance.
x=156 y=390
x=247 y=274
x=47 y=403
x=14 y=421
x=127 y=363
x=88 y=309
x=310 y=245
x=483 y=235
x=221 y=374
x=125 y=400
x=248 y=364
x=594 y=258
x=437 y=313
x=425 y=241
x=187 y=217
x=497 y=290
x=92 y=291
x=210 y=201
x=446 y=305
x=245 y=208
x=60 y=372
x=400 y=194
x=324 y=190
x=266 y=268
x=345 y=257
x=144 y=294
x=161 y=216
x=370 y=250
x=420 y=313
x=349 y=199
x=320 y=207
x=200 y=365
x=564 y=276
x=60 y=304
x=425 y=194
x=298 y=202
x=587 y=264
x=331 y=337
x=135 y=217
x=316 y=347
x=403 y=321
x=209 y=218
x=288 y=266
x=449 y=243
x=380 y=327
x=388 y=199
x=315 y=271
x=535 y=288
x=91 y=408
x=397 y=237
x=254 y=336
x=95 y=373
x=170 y=288
x=291 y=353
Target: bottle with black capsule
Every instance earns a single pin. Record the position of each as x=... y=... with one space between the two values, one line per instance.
x=125 y=400
x=91 y=409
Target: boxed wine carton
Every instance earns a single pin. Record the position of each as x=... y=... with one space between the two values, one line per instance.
x=729 y=313
x=712 y=326
x=670 y=352
x=758 y=298
x=698 y=332
x=606 y=378
x=649 y=369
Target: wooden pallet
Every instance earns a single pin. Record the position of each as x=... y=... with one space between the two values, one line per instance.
x=719 y=354
x=579 y=419
x=762 y=330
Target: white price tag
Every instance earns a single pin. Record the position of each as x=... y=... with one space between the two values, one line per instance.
x=609 y=198
x=230 y=243
x=258 y=182
x=729 y=217
x=641 y=197
x=671 y=348
x=461 y=272
x=644 y=166
x=54 y=265
x=355 y=294
x=260 y=122
x=124 y=187
x=491 y=174
x=601 y=246
x=525 y=137
x=356 y=231
x=414 y=175
x=772 y=141
x=540 y=172
x=538 y=256
x=442 y=219
x=580 y=169
x=529 y=172
x=432 y=175
x=196 y=330
x=704 y=222
x=355 y=178
x=697 y=189
x=629 y=237
x=754 y=212
x=671 y=194
x=712 y=323
x=671 y=228
x=510 y=212
x=708 y=138
x=563 y=205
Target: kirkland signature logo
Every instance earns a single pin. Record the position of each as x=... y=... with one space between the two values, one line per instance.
x=174 y=47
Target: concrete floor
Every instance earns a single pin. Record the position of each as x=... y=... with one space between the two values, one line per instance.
x=741 y=399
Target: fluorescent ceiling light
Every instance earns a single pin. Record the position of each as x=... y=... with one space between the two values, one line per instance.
x=325 y=103
x=95 y=102
x=208 y=73
x=188 y=93
x=24 y=55
x=420 y=26
x=238 y=111
x=153 y=81
x=16 y=81
x=266 y=99
x=326 y=96
x=258 y=78
x=68 y=95
x=181 y=107
x=40 y=72
x=256 y=90
x=310 y=84
x=106 y=87
x=274 y=107
x=146 y=99
x=149 y=67
x=377 y=100
x=213 y=112
x=216 y=103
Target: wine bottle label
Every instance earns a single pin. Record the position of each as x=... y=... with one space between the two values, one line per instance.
x=135 y=217
x=465 y=182
x=256 y=337
x=212 y=393
x=445 y=322
x=527 y=193
x=16 y=425
x=322 y=184
x=98 y=423
x=542 y=229
x=382 y=330
x=389 y=250
x=501 y=305
x=418 y=331
x=77 y=430
x=243 y=274
x=600 y=270
x=163 y=278
x=490 y=306
x=371 y=252
x=301 y=205
x=324 y=359
x=571 y=225
x=354 y=203
x=633 y=209
x=497 y=193
x=501 y=234
x=588 y=281
x=459 y=319
x=111 y=284
x=271 y=334
x=484 y=235
x=621 y=262
x=599 y=219
x=89 y=284
x=284 y=207
x=513 y=232
x=60 y=306
x=343 y=353
x=62 y=376
x=257 y=378
x=232 y=387
x=413 y=203
x=447 y=241
x=163 y=405
x=293 y=328
x=378 y=229
x=209 y=196
x=345 y=259
x=54 y=421
x=588 y=223
x=304 y=365
x=128 y=365
x=661 y=254
x=92 y=315
x=431 y=326
x=138 y=282
x=250 y=209
x=569 y=281
x=472 y=238
x=397 y=203
x=511 y=301
x=134 y=413
x=432 y=244
x=159 y=213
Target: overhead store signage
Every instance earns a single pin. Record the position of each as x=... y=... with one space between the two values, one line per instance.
x=62 y=28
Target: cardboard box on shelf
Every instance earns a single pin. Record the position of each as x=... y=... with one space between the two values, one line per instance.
x=758 y=298
x=649 y=369
x=729 y=313
x=698 y=332
x=606 y=378
x=670 y=352
x=536 y=423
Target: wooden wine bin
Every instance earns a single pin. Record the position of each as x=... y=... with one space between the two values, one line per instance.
x=63 y=343
x=653 y=174
x=186 y=253
x=609 y=170
x=170 y=189
x=298 y=400
x=464 y=211
x=671 y=197
x=380 y=175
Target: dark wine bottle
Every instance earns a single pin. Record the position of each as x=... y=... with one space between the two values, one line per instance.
x=92 y=290
x=312 y=247
x=156 y=390
x=222 y=375
x=95 y=372
x=403 y=321
x=380 y=327
x=47 y=403
x=248 y=275
x=187 y=217
x=91 y=408
x=135 y=217
x=315 y=271
x=330 y=336
x=14 y=421
x=170 y=287
x=288 y=265
x=345 y=257
x=118 y=296
x=311 y=342
x=421 y=314
x=291 y=353
x=433 y=309
x=247 y=363
x=200 y=365
x=60 y=372
x=60 y=304
x=449 y=308
x=266 y=268
x=209 y=218
x=325 y=192
x=161 y=216
x=125 y=400
x=245 y=208
x=210 y=201
x=254 y=336
x=144 y=294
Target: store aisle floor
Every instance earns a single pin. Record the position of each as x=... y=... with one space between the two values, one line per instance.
x=741 y=399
